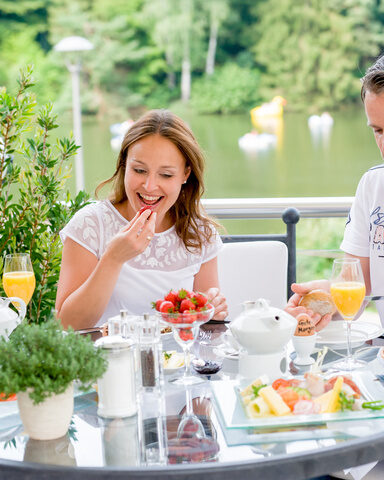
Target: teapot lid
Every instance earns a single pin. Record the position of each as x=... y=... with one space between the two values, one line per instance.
x=269 y=317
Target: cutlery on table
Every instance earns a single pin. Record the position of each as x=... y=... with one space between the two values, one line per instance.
x=373 y=298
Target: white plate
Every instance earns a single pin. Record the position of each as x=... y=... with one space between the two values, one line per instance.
x=335 y=333
x=233 y=414
x=170 y=370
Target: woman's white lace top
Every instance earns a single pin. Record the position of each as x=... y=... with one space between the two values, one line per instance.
x=164 y=265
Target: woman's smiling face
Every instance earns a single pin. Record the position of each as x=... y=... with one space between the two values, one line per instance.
x=155 y=172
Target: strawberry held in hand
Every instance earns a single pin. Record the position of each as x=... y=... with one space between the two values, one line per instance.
x=184 y=306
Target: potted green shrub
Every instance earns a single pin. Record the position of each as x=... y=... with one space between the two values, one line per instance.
x=39 y=363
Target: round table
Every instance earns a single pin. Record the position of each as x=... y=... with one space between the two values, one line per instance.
x=143 y=446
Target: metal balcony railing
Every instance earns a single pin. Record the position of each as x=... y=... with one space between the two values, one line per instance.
x=249 y=208
x=289 y=209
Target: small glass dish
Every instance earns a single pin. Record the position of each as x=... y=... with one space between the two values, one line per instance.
x=208 y=359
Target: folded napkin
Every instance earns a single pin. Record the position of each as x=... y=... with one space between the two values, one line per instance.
x=361 y=471
x=355 y=473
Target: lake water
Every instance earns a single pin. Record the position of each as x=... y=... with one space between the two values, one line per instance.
x=299 y=165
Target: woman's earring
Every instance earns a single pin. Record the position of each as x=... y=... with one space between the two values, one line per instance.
x=185 y=181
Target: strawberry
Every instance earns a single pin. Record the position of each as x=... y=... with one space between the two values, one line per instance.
x=156 y=305
x=200 y=299
x=166 y=307
x=171 y=297
x=186 y=304
x=183 y=293
x=186 y=334
x=172 y=317
x=146 y=207
x=189 y=317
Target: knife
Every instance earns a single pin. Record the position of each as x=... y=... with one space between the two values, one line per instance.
x=370 y=298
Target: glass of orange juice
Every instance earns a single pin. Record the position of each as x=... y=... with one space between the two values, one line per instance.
x=348 y=291
x=18 y=276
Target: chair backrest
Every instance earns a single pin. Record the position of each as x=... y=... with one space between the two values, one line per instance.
x=252 y=270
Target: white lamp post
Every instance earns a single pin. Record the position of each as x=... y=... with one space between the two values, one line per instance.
x=76 y=44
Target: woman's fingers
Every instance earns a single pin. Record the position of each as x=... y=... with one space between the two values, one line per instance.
x=217 y=300
x=138 y=222
x=220 y=316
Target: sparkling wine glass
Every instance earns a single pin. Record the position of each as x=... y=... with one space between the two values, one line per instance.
x=18 y=277
x=348 y=291
x=185 y=328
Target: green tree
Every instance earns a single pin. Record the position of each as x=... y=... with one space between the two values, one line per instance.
x=310 y=50
x=125 y=65
x=230 y=89
x=23 y=40
x=217 y=12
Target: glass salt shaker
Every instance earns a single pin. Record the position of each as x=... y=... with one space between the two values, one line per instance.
x=115 y=325
x=117 y=387
x=150 y=351
x=129 y=325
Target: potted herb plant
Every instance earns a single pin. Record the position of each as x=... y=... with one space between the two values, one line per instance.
x=39 y=363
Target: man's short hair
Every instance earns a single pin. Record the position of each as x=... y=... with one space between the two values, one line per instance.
x=373 y=80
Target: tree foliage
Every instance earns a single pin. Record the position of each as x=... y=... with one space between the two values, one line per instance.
x=230 y=89
x=148 y=52
x=33 y=203
x=310 y=51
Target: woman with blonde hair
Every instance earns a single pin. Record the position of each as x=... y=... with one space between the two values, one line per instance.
x=149 y=236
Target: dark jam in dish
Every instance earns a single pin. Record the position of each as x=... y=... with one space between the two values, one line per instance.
x=208 y=368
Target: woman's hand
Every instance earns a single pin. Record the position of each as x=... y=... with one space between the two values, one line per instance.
x=300 y=289
x=133 y=239
x=217 y=299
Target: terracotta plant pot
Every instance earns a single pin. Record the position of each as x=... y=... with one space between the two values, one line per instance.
x=49 y=419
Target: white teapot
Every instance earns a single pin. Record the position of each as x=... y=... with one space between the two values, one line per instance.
x=9 y=319
x=262 y=329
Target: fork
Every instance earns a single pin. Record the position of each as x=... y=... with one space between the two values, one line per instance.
x=205 y=337
x=379 y=378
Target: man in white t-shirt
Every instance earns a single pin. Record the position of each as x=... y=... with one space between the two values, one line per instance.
x=364 y=232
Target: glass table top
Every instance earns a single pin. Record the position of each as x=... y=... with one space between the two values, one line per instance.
x=151 y=439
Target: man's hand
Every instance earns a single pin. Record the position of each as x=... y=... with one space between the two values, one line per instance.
x=300 y=289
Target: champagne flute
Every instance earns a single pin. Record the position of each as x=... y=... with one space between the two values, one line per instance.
x=185 y=328
x=348 y=291
x=18 y=277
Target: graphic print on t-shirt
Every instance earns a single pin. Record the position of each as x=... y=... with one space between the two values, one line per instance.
x=376 y=228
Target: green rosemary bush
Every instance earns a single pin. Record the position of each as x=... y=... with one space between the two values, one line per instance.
x=34 y=205
x=45 y=360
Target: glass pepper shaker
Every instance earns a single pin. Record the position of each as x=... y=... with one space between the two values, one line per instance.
x=150 y=351
x=117 y=387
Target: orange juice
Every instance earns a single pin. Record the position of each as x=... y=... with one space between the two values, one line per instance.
x=348 y=297
x=19 y=284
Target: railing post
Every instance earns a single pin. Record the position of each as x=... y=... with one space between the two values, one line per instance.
x=290 y=217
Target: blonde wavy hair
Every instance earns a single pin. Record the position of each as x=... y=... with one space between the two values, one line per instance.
x=192 y=224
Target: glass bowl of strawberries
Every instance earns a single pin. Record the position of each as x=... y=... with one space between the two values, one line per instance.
x=184 y=311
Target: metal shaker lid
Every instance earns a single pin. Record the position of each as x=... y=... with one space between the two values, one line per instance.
x=116 y=342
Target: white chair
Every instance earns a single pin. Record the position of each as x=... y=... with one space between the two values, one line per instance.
x=252 y=270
